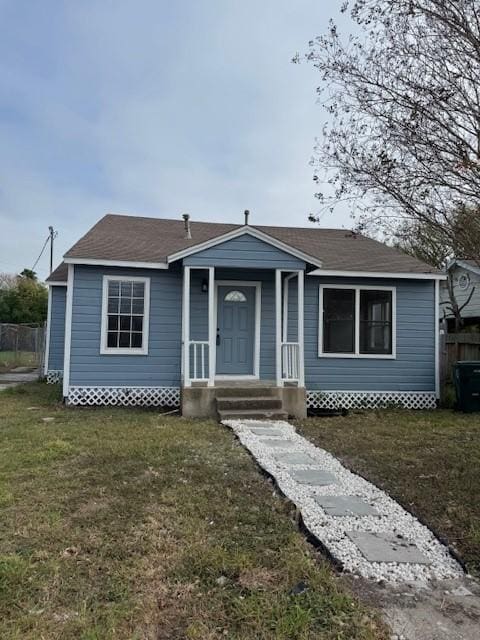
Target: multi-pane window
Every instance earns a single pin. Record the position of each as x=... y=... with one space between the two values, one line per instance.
x=125 y=311
x=356 y=321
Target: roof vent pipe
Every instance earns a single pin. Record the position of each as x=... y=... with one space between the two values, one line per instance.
x=247 y=213
x=188 y=232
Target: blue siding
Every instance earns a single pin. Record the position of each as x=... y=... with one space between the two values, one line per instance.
x=161 y=367
x=412 y=370
x=198 y=305
x=292 y=335
x=245 y=251
x=414 y=367
x=57 y=328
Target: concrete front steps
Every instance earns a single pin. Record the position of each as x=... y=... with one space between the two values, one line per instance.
x=254 y=403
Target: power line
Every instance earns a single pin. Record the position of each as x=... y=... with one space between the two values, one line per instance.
x=41 y=253
x=50 y=238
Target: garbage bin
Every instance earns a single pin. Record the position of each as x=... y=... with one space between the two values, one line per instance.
x=466 y=375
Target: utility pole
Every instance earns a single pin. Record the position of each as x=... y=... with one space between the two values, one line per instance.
x=51 y=237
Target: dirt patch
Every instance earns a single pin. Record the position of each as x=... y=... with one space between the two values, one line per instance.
x=92 y=507
x=428 y=612
x=258 y=578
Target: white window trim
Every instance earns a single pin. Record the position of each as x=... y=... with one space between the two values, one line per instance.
x=125 y=351
x=357 y=288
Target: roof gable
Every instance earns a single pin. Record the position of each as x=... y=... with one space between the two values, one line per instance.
x=469 y=265
x=253 y=232
x=58 y=275
x=245 y=250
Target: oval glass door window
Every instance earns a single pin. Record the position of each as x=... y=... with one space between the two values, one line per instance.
x=235 y=296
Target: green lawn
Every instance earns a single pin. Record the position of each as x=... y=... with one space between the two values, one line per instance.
x=128 y=524
x=428 y=460
x=11 y=359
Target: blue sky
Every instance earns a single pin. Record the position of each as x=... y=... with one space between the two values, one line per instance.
x=154 y=108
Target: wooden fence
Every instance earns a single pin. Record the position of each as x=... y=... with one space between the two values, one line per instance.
x=456 y=347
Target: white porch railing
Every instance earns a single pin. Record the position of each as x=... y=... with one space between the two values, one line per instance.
x=290 y=361
x=198 y=358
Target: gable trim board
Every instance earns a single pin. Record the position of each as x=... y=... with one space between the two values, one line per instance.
x=242 y=252
x=56 y=284
x=260 y=235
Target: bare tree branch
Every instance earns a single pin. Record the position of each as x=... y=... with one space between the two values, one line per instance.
x=403 y=96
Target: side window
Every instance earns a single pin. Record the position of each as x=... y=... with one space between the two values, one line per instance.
x=356 y=321
x=125 y=315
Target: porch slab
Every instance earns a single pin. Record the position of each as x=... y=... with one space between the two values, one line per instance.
x=345 y=506
x=277 y=444
x=315 y=477
x=295 y=458
x=385 y=547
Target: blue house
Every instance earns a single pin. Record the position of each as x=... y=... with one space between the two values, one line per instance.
x=224 y=319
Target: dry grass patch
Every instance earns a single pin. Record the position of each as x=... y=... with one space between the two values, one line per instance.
x=427 y=460
x=111 y=527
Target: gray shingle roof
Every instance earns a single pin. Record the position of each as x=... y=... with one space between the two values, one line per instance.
x=60 y=274
x=138 y=239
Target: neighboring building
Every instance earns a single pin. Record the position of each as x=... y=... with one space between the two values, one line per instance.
x=465 y=278
x=272 y=319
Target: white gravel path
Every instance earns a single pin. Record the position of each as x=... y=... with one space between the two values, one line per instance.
x=331 y=530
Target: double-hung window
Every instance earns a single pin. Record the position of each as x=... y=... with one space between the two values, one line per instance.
x=125 y=314
x=357 y=321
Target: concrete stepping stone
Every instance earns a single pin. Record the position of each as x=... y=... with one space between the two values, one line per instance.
x=261 y=424
x=280 y=444
x=387 y=547
x=315 y=477
x=345 y=506
x=294 y=458
x=266 y=431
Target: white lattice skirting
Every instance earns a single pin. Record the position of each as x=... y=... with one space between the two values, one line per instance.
x=371 y=399
x=53 y=376
x=125 y=396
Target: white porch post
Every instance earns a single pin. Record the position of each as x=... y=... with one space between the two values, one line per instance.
x=211 y=327
x=186 y=327
x=437 y=339
x=301 y=350
x=278 y=326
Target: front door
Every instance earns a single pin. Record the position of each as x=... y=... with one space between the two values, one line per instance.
x=235 y=330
